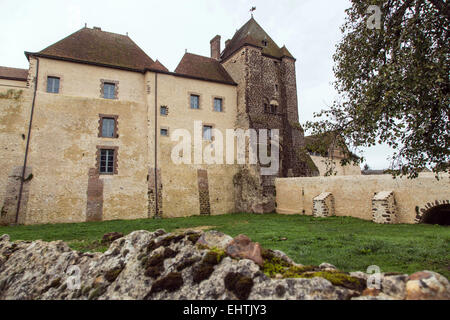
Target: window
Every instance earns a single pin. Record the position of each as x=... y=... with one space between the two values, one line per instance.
x=164 y=132
x=264 y=43
x=218 y=104
x=107 y=159
x=276 y=88
x=108 y=126
x=53 y=84
x=164 y=111
x=207 y=133
x=273 y=108
x=109 y=90
x=266 y=108
x=195 y=101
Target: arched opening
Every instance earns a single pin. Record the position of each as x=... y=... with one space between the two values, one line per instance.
x=437 y=215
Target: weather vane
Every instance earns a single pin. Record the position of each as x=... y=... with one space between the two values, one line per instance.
x=251 y=10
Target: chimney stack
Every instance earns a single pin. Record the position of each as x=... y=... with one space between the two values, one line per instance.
x=227 y=42
x=215 y=47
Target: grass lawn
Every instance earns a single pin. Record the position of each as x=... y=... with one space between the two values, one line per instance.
x=348 y=243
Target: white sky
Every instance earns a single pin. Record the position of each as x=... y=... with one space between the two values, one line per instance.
x=164 y=29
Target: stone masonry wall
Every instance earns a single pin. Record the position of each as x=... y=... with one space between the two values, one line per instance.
x=353 y=194
x=383 y=207
x=263 y=80
x=323 y=205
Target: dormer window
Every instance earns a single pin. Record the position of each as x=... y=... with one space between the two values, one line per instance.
x=264 y=43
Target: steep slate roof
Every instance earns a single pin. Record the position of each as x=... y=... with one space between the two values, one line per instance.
x=203 y=68
x=253 y=34
x=100 y=47
x=13 y=73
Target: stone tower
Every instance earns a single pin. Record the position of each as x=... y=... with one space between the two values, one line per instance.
x=267 y=99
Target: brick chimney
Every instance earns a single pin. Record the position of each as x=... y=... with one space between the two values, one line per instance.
x=215 y=47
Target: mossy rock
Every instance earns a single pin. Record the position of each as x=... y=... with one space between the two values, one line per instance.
x=193 y=237
x=339 y=279
x=170 y=283
x=214 y=256
x=54 y=284
x=111 y=275
x=96 y=293
x=169 y=253
x=154 y=271
x=187 y=263
x=274 y=265
x=155 y=260
x=206 y=267
x=165 y=242
x=202 y=272
x=239 y=284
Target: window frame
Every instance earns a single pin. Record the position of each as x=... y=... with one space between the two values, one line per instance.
x=163 y=114
x=164 y=128
x=190 y=94
x=109 y=82
x=115 y=160
x=203 y=132
x=116 y=125
x=59 y=84
x=273 y=109
x=214 y=98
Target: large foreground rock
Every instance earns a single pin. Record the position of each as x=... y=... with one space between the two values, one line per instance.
x=156 y=265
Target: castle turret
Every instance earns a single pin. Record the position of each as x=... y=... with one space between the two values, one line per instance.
x=267 y=99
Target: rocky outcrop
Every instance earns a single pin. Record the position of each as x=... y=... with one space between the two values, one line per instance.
x=160 y=265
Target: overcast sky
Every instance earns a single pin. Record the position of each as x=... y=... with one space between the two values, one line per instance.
x=164 y=29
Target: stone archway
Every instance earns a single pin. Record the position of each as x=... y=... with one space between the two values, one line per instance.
x=437 y=212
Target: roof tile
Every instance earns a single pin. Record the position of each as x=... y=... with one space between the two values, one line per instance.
x=13 y=73
x=203 y=67
x=252 y=33
x=97 y=46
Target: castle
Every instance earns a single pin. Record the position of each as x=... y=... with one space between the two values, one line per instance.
x=85 y=132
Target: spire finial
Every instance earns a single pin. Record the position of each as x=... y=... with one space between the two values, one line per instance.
x=251 y=10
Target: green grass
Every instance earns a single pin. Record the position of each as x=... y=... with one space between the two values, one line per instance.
x=348 y=243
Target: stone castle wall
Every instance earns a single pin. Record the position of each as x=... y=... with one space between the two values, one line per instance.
x=353 y=195
x=64 y=184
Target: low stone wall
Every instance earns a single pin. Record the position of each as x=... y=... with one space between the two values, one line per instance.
x=353 y=195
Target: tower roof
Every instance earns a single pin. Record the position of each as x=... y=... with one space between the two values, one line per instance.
x=253 y=34
x=99 y=47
